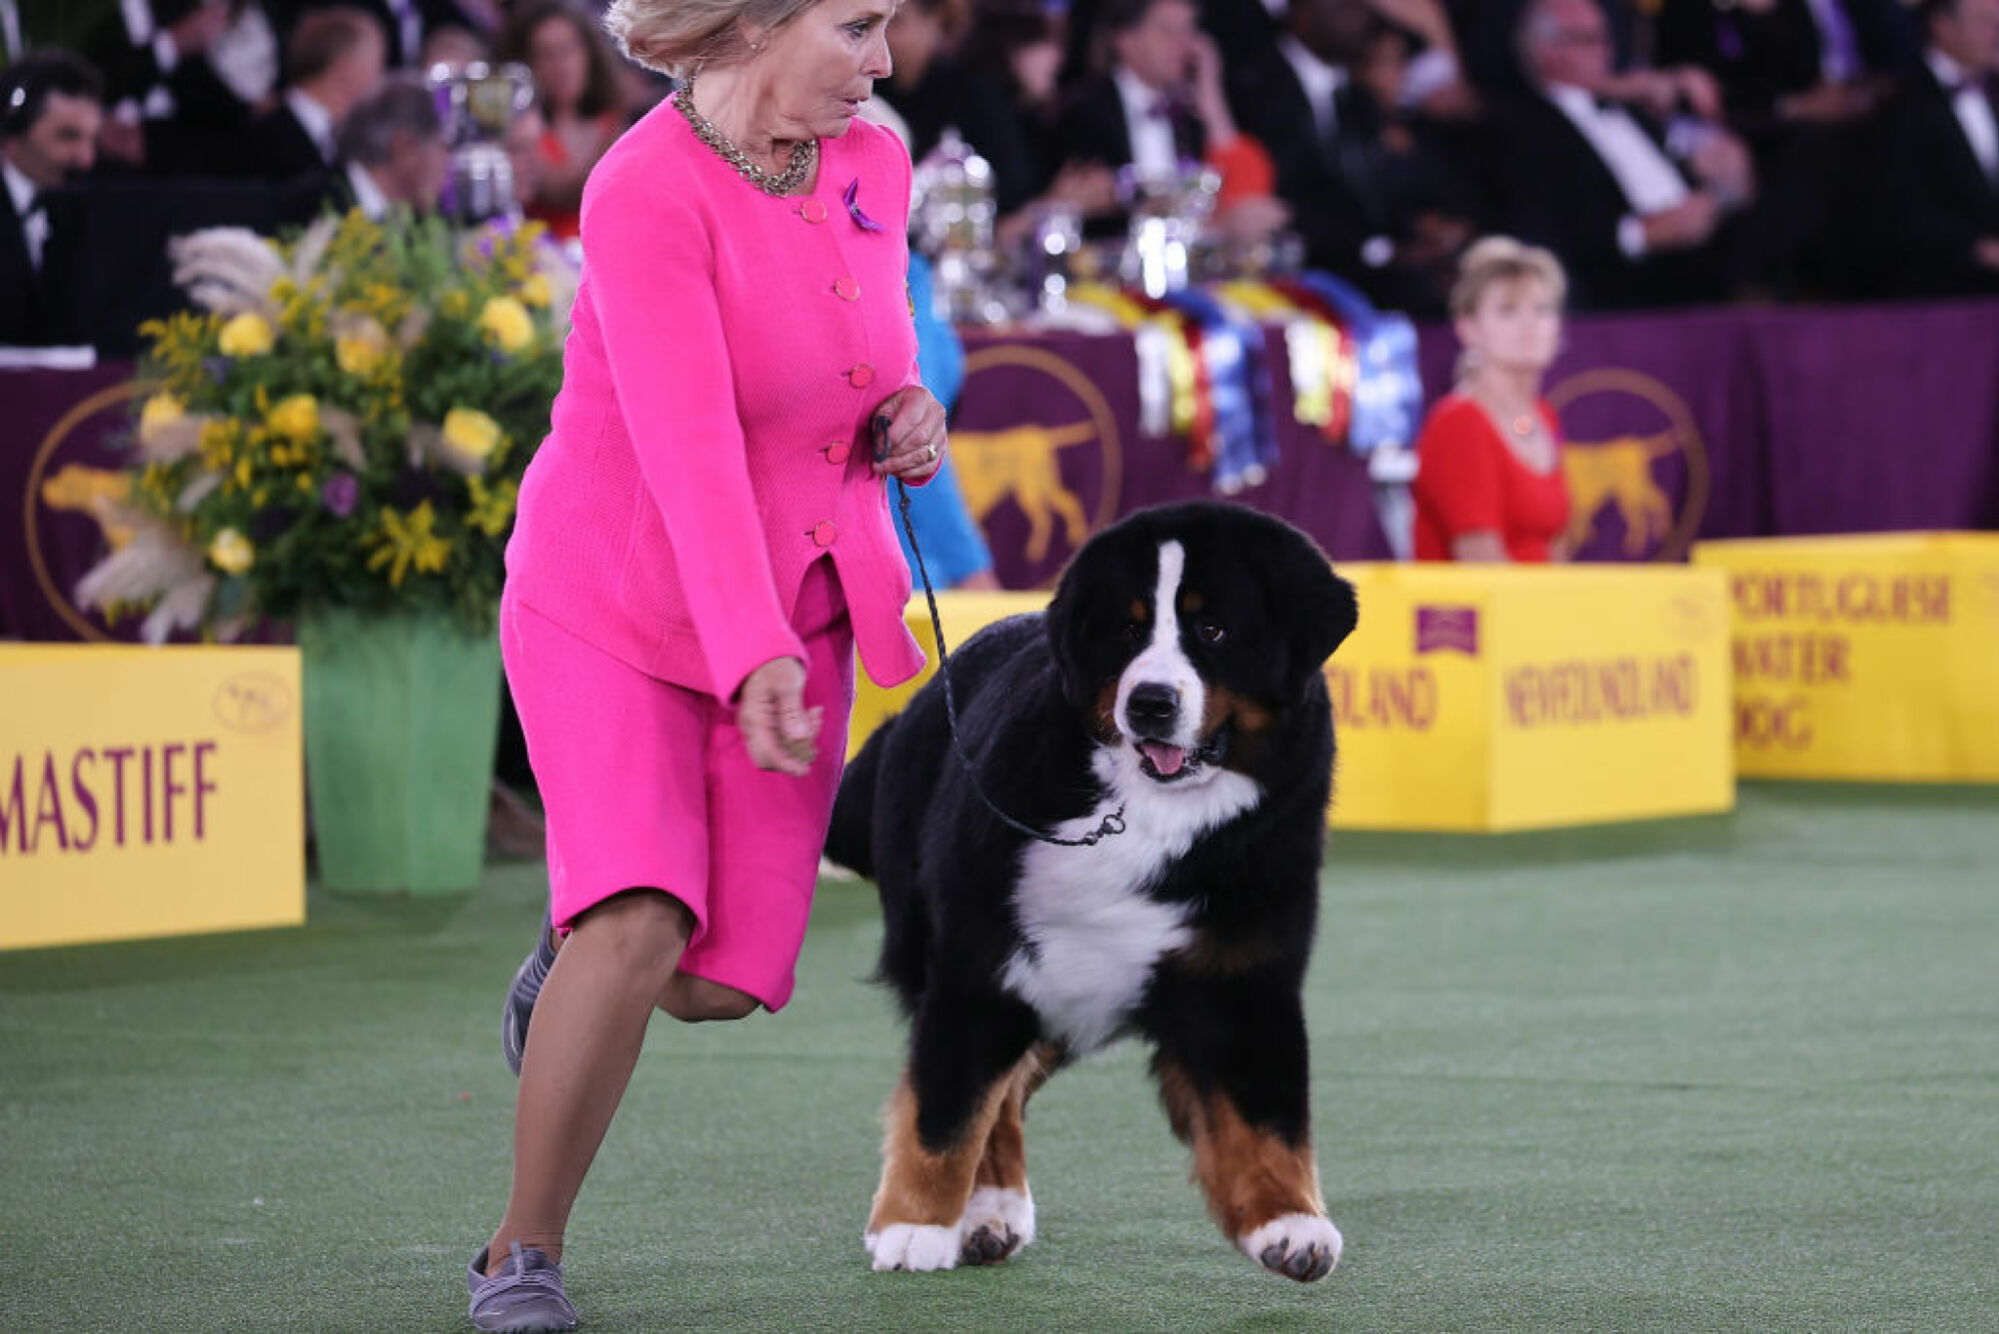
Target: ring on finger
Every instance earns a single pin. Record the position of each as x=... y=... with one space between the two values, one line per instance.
x=930 y=451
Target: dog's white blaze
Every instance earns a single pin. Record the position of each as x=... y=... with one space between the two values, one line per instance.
x=1163 y=660
x=1093 y=935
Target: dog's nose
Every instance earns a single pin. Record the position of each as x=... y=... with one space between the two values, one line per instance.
x=1152 y=708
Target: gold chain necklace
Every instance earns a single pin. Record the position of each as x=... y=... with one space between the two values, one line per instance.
x=803 y=154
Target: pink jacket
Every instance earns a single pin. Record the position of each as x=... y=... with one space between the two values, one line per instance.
x=712 y=434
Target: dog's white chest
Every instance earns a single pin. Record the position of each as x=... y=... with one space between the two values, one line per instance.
x=1092 y=937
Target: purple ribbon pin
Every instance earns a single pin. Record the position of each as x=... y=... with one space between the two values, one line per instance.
x=866 y=223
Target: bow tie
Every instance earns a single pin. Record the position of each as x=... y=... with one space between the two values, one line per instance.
x=37 y=203
x=1165 y=108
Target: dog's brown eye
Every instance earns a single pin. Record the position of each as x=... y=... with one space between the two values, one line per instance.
x=1210 y=633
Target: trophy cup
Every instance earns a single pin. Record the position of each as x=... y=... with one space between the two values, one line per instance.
x=1168 y=212
x=952 y=217
x=478 y=105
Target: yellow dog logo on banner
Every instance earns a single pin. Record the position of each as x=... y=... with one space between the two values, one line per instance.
x=1616 y=474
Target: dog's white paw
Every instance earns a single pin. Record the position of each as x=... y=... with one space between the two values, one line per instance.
x=997 y=1223
x=917 y=1247
x=1300 y=1246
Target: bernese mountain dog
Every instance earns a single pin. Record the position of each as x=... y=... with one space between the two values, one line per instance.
x=1172 y=692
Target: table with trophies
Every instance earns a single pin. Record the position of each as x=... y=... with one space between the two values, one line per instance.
x=1105 y=375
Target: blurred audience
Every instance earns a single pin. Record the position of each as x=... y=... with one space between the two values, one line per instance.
x=51 y=108
x=453 y=47
x=1161 y=104
x=182 y=79
x=1669 y=151
x=336 y=57
x=1639 y=210
x=1490 y=485
x=1372 y=192
x=577 y=87
x=1937 y=195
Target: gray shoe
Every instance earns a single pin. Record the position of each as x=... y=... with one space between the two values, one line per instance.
x=525 y=1295
x=522 y=995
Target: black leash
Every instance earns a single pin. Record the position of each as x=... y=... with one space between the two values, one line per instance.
x=1113 y=823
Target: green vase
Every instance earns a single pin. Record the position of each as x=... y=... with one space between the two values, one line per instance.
x=401 y=718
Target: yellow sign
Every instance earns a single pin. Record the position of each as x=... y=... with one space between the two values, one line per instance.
x=148 y=792
x=962 y=613
x=1866 y=657
x=1493 y=698
x=1503 y=697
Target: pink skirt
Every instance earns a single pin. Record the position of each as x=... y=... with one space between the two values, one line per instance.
x=647 y=785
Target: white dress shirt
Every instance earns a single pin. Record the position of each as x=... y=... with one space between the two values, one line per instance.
x=35 y=226
x=317 y=120
x=368 y=196
x=1973 y=108
x=1153 y=152
x=1321 y=82
x=1650 y=182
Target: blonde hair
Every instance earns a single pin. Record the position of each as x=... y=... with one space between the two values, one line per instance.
x=1493 y=260
x=1500 y=259
x=677 y=37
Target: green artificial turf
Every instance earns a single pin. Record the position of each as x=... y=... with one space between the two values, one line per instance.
x=1730 y=1073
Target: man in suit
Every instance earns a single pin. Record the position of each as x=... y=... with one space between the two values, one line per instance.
x=392 y=147
x=1641 y=215
x=336 y=57
x=1940 y=158
x=1161 y=106
x=182 y=78
x=51 y=108
x=1376 y=199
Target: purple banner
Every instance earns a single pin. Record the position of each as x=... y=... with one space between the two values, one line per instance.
x=1723 y=423
x=61 y=462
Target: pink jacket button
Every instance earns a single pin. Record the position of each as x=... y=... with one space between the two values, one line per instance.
x=838 y=451
x=847 y=289
x=812 y=210
x=823 y=533
x=861 y=375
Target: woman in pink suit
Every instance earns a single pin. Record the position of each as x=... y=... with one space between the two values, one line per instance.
x=702 y=542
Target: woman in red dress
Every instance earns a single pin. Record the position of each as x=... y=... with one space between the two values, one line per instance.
x=1489 y=485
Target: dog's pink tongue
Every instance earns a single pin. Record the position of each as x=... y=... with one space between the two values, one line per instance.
x=1167 y=759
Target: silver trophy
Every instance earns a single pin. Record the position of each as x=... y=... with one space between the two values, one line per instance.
x=951 y=219
x=478 y=105
x=1168 y=212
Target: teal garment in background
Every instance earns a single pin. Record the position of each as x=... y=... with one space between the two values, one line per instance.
x=953 y=547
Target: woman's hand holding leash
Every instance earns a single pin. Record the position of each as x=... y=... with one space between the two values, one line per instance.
x=909 y=434
x=779 y=732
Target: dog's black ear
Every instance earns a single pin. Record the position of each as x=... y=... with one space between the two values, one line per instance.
x=1324 y=612
x=1066 y=623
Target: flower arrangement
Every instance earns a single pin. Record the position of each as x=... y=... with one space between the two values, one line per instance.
x=343 y=422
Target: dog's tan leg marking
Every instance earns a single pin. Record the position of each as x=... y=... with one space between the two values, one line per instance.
x=922 y=1196
x=1263 y=1192
x=999 y=1218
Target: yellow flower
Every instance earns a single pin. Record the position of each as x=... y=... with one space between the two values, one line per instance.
x=404 y=541
x=471 y=432
x=492 y=509
x=231 y=552
x=506 y=323
x=217 y=444
x=160 y=412
x=360 y=349
x=535 y=290
x=247 y=335
x=296 y=418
